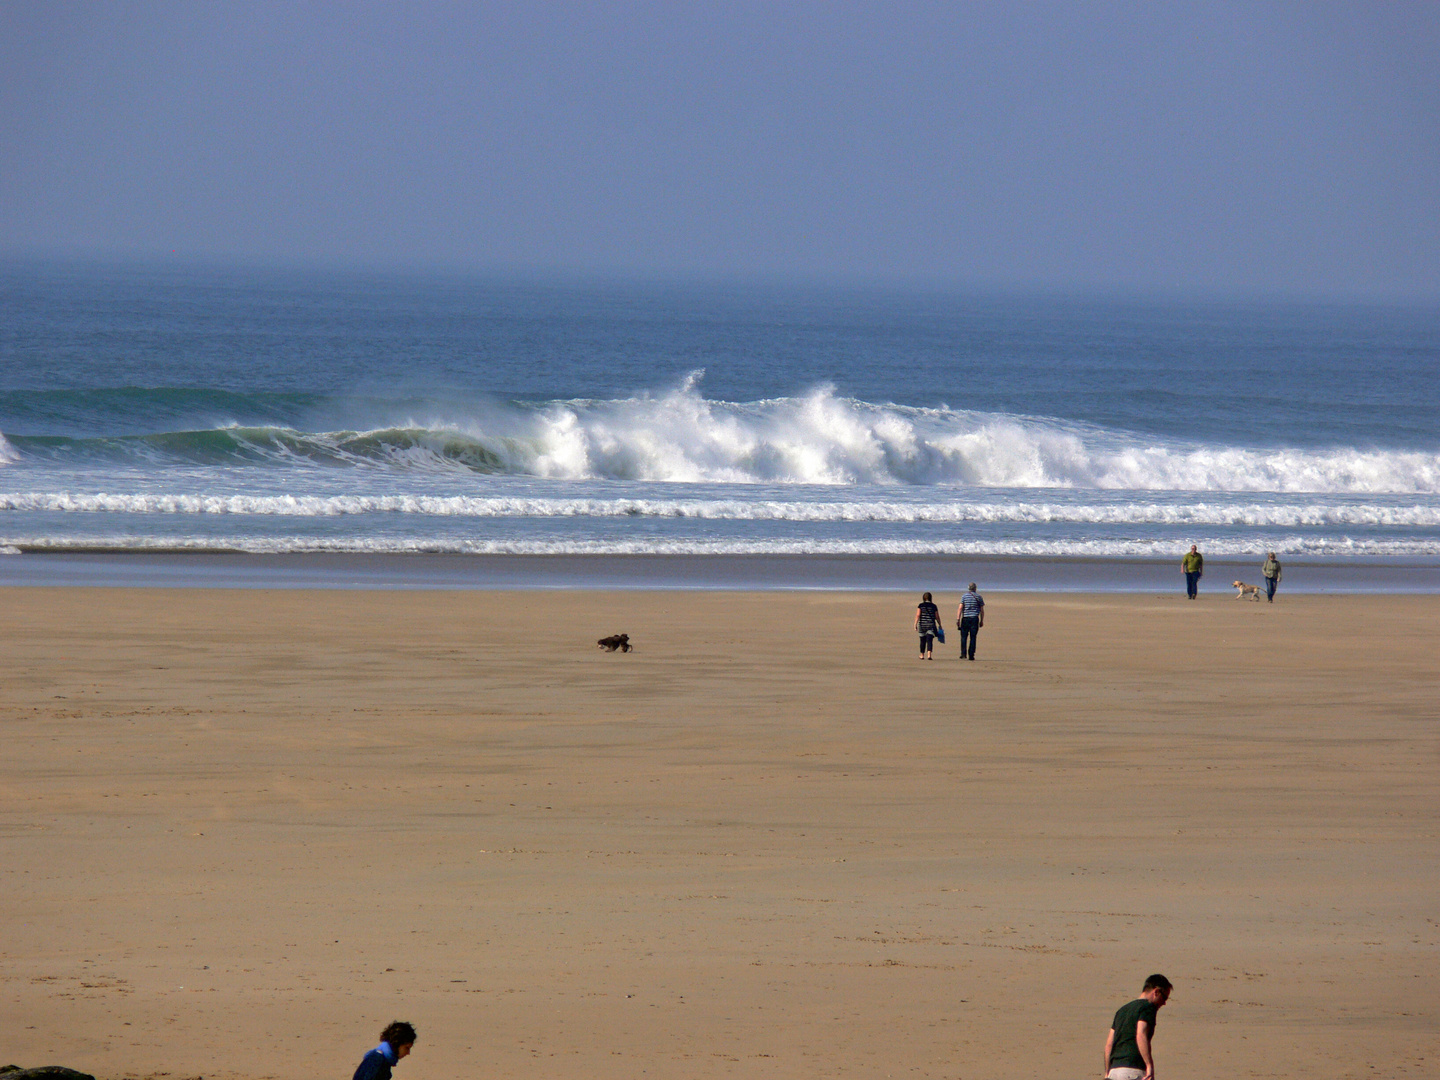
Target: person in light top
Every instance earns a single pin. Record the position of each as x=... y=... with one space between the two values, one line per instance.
x=968 y=619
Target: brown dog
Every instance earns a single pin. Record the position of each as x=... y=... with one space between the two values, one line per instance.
x=1243 y=591
x=615 y=641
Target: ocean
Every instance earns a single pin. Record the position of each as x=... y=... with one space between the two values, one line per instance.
x=163 y=409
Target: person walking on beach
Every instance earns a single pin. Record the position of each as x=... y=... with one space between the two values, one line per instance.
x=927 y=622
x=1129 y=1050
x=968 y=619
x=1194 y=566
x=1271 y=570
x=396 y=1041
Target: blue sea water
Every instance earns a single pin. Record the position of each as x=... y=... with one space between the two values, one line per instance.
x=215 y=409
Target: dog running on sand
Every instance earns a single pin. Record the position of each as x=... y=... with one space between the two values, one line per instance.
x=1244 y=592
x=615 y=641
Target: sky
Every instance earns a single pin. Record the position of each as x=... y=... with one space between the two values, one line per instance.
x=1204 y=147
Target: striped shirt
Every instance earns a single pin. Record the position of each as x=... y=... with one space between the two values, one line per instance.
x=970 y=605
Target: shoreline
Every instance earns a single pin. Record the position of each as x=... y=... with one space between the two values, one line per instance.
x=87 y=567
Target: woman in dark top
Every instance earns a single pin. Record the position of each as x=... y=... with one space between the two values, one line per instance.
x=927 y=621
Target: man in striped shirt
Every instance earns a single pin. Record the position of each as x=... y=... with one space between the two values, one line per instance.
x=969 y=619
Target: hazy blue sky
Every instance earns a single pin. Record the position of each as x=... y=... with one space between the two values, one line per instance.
x=1240 y=147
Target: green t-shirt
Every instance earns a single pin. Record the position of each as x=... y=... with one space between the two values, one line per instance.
x=1126 y=1052
x=1193 y=562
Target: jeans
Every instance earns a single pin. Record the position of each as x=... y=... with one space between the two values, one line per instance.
x=1270 y=585
x=969 y=631
x=927 y=644
x=1192 y=583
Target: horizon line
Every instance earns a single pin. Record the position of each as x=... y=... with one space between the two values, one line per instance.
x=678 y=276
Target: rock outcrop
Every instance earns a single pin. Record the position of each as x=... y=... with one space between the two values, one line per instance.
x=44 y=1072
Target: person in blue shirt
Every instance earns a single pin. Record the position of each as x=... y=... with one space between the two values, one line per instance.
x=396 y=1042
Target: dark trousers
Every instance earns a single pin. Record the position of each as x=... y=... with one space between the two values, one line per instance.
x=1192 y=583
x=969 y=631
x=927 y=644
x=1270 y=584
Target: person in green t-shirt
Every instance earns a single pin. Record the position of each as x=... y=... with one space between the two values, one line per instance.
x=1194 y=566
x=1271 y=570
x=1128 y=1051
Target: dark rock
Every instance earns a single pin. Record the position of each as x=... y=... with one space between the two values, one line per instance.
x=45 y=1072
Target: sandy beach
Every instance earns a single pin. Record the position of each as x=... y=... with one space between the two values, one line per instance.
x=243 y=829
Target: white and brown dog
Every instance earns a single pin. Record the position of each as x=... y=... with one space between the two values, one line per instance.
x=1243 y=591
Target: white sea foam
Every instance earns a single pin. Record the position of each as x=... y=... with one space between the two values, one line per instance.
x=1243 y=547
x=828 y=440
x=1140 y=511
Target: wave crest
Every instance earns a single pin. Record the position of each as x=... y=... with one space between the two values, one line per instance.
x=817 y=439
x=1129 y=512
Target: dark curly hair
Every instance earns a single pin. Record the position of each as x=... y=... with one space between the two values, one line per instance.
x=398 y=1033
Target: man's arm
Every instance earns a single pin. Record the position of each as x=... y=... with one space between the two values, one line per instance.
x=1142 y=1043
x=1109 y=1046
x=982 y=615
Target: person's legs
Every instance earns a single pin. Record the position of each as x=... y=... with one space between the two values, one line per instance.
x=1192 y=584
x=969 y=631
x=927 y=643
x=1270 y=584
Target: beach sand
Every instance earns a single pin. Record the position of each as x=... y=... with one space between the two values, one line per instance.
x=242 y=830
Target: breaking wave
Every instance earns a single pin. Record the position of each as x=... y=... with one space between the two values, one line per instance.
x=817 y=439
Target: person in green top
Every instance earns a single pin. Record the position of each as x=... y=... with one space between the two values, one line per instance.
x=1129 y=1054
x=1271 y=570
x=1194 y=566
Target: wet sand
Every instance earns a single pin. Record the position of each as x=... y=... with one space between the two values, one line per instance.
x=241 y=830
x=76 y=567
